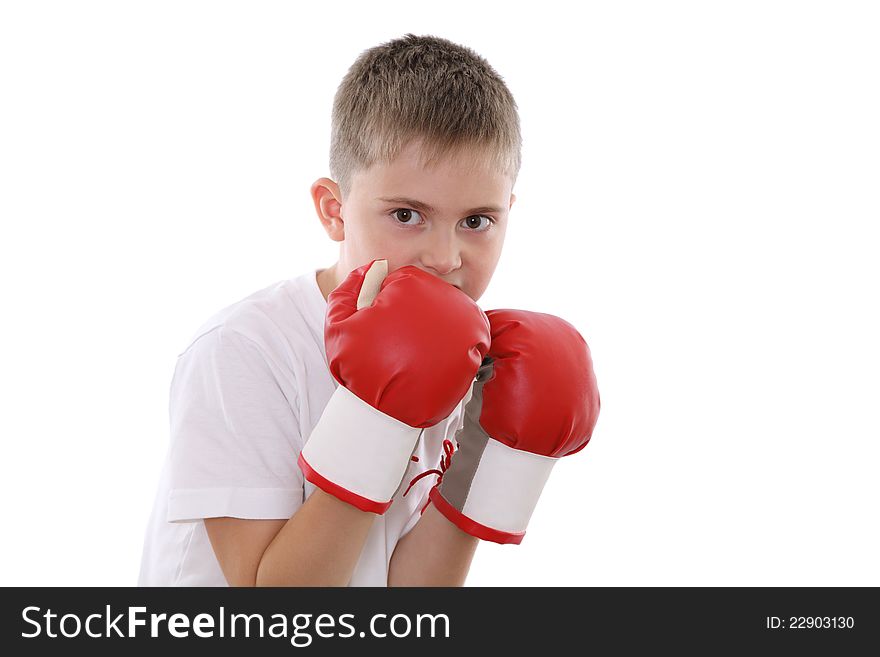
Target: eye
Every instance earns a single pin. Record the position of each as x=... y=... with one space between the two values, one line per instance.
x=404 y=217
x=475 y=223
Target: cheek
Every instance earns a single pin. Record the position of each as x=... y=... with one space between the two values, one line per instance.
x=384 y=244
x=479 y=274
x=481 y=266
x=485 y=255
x=369 y=236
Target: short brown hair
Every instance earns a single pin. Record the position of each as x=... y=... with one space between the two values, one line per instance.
x=427 y=88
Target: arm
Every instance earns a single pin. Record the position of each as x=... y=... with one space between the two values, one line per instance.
x=434 y=553
x=358 y=452
x=318 y=546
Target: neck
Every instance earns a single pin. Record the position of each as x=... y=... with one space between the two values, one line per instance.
x=327 y=281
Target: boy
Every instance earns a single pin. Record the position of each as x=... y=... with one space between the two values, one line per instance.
x=307 y=419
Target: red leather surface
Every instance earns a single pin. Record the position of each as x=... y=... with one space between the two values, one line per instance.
x=469 y=526
x=543 y=396
x=414 y=352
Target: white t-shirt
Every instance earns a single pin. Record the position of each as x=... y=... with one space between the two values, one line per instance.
x=245 y=395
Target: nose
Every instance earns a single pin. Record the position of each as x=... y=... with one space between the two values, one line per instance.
x=441 y=254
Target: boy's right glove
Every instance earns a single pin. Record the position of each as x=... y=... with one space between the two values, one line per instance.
x=405 y=348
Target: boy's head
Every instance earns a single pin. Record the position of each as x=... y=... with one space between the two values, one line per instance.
x=431 y=128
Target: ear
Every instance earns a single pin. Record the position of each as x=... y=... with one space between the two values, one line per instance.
x=328 y=205
x=512 y=199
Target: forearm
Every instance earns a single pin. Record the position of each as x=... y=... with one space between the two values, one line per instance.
x=434 y=553
x=319 y=546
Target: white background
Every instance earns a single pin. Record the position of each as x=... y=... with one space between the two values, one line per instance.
x=699 y=195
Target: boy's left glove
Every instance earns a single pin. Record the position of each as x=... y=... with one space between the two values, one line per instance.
x=534 y=400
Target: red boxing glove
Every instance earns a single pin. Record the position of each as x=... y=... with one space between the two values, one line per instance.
x=404 y=348
x=535 y=400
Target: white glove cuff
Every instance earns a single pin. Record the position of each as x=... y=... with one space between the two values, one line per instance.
x=497 y=502
x=358 y=453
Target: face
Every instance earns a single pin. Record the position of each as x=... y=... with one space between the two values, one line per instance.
x=449 y=220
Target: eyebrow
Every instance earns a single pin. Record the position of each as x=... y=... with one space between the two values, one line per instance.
x=424 y=207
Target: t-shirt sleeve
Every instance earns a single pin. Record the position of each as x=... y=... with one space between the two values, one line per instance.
x=235 y=435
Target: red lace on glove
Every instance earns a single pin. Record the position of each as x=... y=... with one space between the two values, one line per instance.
x=445 y=460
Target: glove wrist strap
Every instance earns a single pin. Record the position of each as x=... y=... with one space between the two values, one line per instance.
x=490 y=490
x=358 y=453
